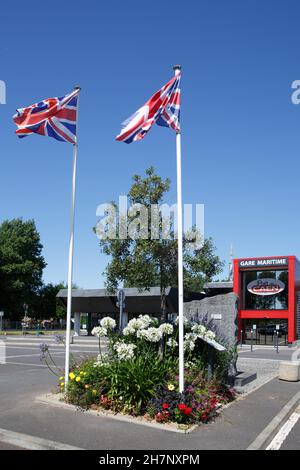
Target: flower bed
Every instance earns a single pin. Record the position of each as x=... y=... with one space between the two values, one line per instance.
x=137 y=375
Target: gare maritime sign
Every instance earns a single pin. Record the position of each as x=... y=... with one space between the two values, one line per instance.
x=263 y=263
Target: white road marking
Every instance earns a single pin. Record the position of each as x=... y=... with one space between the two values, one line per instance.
x=25 y=441
x=266 y=359
x=25 y=364
x=32 y=355
x=284 y=431
x=8 y=343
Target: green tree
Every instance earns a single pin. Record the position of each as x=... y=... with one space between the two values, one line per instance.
x=144 y=261
x=46 y=305
x=21 y=265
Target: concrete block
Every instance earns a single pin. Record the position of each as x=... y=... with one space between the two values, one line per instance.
x=241 y=379
x=289 y=371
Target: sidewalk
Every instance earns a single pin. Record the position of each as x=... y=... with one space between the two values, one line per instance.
x=241 y=423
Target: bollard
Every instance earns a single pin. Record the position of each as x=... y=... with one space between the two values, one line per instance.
x=251 y=340
x=241 y=339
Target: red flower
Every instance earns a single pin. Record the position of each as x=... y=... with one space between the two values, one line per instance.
x=182 y=406
x=188 y=410
x=165 y=406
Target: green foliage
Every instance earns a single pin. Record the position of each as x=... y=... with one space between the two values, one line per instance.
x=21 y=265
x=128 y=385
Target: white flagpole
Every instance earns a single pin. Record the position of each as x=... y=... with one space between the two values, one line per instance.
x=177 y=69
x=71 y=252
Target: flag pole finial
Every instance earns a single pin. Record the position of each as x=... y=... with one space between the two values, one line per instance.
x=177 y=67
x=77 y=87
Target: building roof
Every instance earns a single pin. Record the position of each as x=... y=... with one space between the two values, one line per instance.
x=215 y=288
x=137 y=301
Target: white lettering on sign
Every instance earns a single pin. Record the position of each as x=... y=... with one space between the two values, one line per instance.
x=246 y=264
x=263 y=262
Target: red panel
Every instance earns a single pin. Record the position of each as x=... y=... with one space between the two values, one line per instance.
x=289 y=314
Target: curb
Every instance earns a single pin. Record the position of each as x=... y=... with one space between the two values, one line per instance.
x=266 y=436
x=55 y=400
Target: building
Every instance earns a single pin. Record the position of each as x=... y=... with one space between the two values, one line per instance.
x=98 y=303
x=269 y=304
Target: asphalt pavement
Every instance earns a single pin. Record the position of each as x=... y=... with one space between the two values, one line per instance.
x=24 y=377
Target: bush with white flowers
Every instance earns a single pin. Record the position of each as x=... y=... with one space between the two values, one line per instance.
x=185 y=320
x=102 y=360
x=172 y=343
x=202 y=332
x=189 y=341
x=124 y=351
x=99 y=331
x=108 y=323
x=166 y=328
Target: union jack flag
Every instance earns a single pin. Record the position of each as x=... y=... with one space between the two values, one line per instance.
x=53 y=117
x=163 y=108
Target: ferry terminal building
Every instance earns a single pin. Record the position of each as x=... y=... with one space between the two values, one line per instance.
x=268 y=290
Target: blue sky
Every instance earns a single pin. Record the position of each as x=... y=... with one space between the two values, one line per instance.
x=240 y=130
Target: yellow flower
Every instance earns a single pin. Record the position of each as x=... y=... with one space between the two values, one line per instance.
x=87 y=386
x=171 y=387
x=78 y=379
x=62 y=384
x=94 y=392
x=82 y=373
x=61 y=378
x=72 y=375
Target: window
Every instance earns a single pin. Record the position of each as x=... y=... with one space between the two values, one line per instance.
x=252 y=301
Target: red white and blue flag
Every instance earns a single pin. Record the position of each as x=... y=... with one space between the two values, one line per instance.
x=52 y=117
x=163 y=108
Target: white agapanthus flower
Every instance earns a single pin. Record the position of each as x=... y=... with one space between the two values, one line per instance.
x=99 y=331
x=210 y=335
x=142 y=334
x=108 y=323
x=185 y=320
x=189 y=341
x=146 y=319
x=188 y=345
x=153 y=335
x=172 y=343
x=166 y=328
x=128 y=330
x=101 y=360
x=136 y=324
x=199 y=330
x=202 y=332
x=124 y=351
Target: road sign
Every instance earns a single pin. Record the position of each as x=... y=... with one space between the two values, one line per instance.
x=121 y=305
x=121 y=296
x=1 y=314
